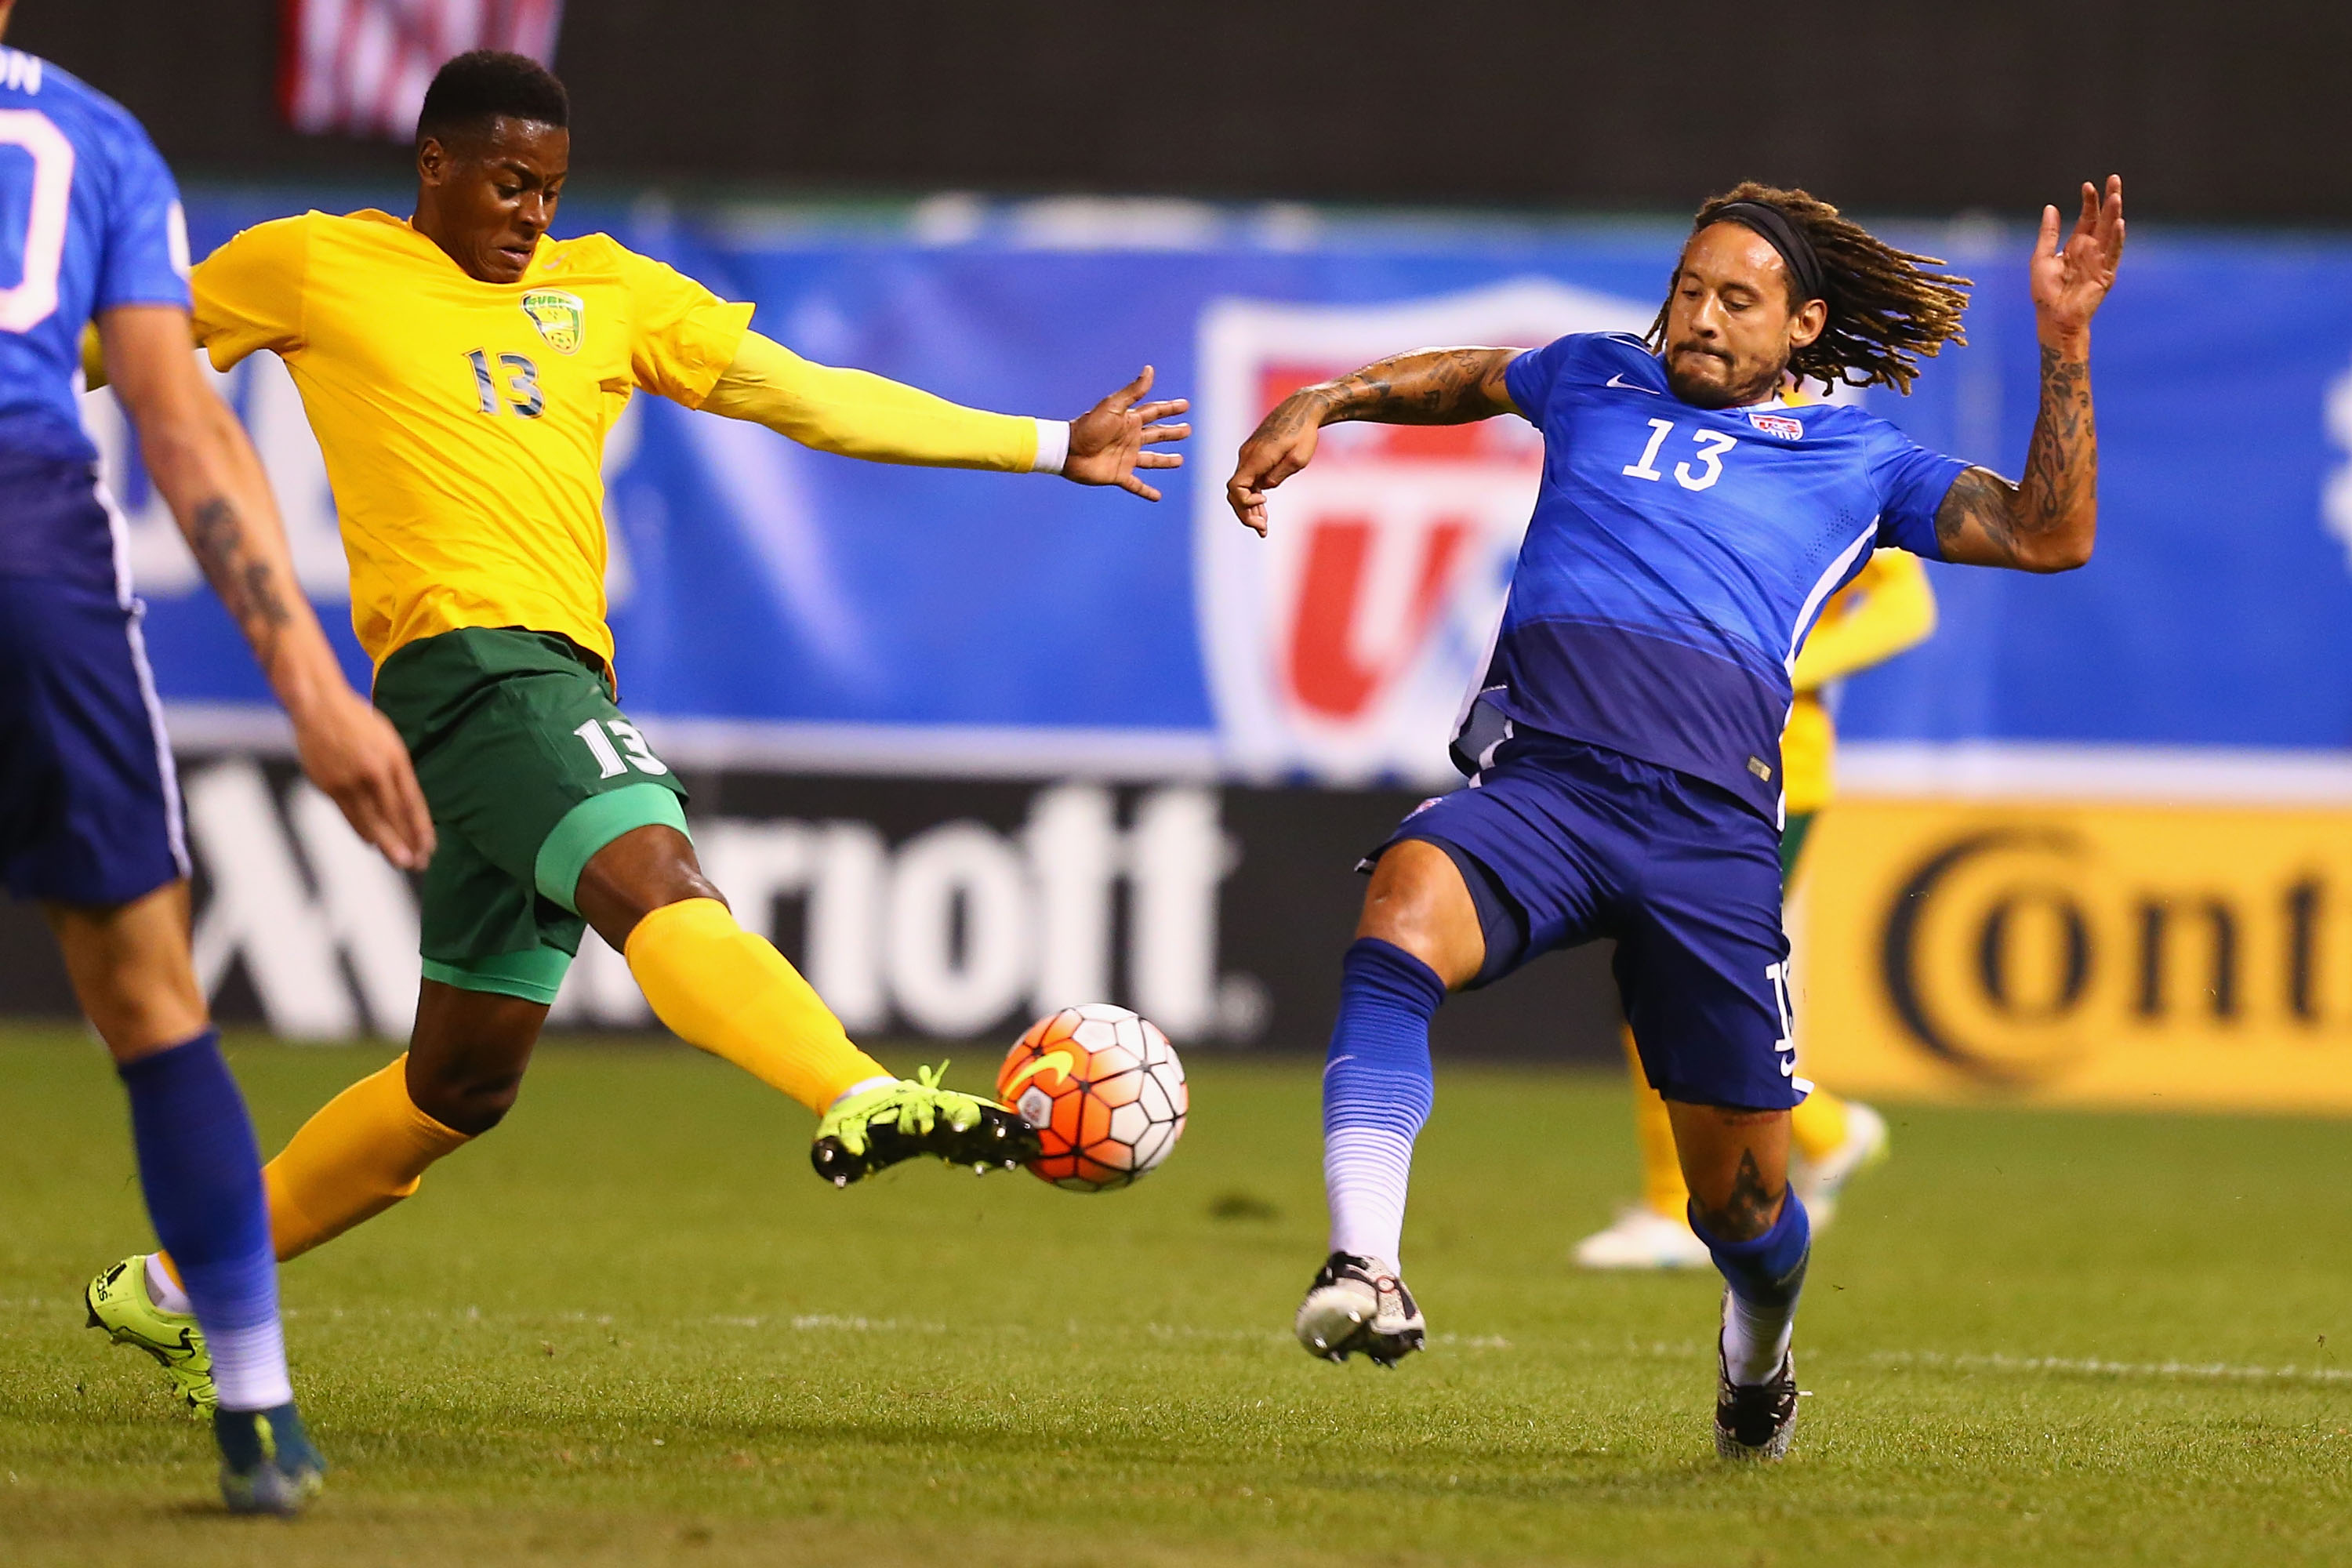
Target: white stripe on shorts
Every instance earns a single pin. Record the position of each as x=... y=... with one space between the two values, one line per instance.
x=175 y=827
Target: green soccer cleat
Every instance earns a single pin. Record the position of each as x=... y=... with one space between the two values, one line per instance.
x=874 y=1131
x=267 y=1465
x=120 y=1304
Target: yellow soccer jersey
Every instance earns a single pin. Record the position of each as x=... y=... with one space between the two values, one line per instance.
x=463 y=422
x=1886 y=608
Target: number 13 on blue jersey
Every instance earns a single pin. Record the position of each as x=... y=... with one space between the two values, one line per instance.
x=1712 y=445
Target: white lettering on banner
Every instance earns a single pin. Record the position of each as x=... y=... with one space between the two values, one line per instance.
x=1339 y=646
x=1074 y=847
x=908 y=935
x=947 y=934
x=369 y=911
x=2335 y=491
x=959 y=928
x=1178 y=855
x=262 y=911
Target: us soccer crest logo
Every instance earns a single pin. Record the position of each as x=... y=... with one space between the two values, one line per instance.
x=1340 y=647
x=561 y=319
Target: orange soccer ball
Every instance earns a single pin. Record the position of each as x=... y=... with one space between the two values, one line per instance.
x=1103 y=1089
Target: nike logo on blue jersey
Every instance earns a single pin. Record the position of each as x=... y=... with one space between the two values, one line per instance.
x=1620 y=381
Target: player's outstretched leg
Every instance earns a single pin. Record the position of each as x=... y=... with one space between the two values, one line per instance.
x=872 y=1128
x=1835 y=1140
x=1377 y=1093
x=730 y=991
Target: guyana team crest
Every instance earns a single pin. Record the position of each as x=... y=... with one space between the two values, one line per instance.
x=561 y=319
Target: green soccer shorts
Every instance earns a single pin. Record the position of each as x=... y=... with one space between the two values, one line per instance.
x=530 y=769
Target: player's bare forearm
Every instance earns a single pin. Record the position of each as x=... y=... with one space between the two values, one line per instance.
x=1427 y=386
x=2048 y=520
x=222 y=502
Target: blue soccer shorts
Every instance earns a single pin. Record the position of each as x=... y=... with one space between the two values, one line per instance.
x=1563 y=843
x=89 y=806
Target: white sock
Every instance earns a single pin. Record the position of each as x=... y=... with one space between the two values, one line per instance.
x=1365 y=1171
x=165 y=1291
x=249 y=1366
x=1755 y=1339
x=860 y=1087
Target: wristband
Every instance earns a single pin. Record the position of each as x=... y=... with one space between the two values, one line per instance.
x=1053 y=447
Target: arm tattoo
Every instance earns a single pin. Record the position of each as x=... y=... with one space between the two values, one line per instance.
x=2059 y=494
x=2062 y=466
x=246 y=584
x=1436 y=387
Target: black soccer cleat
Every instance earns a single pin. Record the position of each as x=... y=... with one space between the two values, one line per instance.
x=268 y=1464
x=915 y=1116
x=1755 y=1420
x=1357 y=1304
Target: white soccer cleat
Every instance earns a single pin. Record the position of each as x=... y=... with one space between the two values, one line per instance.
x=1818 y=1185
x=1643 y=1238
x=1358 y=1304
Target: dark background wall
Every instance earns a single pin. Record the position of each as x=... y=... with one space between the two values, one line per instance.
x=2211 y=111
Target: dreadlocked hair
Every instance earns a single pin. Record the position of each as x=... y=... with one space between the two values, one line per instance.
x=1886 y=310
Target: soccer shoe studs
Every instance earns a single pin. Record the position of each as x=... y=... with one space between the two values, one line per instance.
x=119 y=1303
x=876 y=1130
x=1755 y=1420
x=1355 y=1304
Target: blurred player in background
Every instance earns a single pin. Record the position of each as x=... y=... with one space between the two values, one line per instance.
x=461 y=369
x=1623 y=745
x=1887 y=608
x=90 y=809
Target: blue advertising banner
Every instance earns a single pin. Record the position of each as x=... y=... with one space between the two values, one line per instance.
x=779 y=606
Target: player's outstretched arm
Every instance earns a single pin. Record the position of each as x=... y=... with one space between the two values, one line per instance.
x=210 y=477
x=2048 y=520
x=1427 y=386
x=859 y=415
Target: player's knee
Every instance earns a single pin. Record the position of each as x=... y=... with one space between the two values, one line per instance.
x=1417 y=902
x=1740 y=1217
x=467 y=1103
x=466 y=1092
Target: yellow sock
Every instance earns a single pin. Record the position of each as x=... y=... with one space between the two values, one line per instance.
x=719 y=987
x=1661 y=1174
x=1817 y=1126
x=362 y=1152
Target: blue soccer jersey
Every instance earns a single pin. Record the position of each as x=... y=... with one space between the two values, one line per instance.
x=1677 y=556
x=90 y=219
x=89 y=809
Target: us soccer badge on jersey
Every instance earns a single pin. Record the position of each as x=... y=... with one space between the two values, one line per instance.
x=561 y=319
x=1340 y=648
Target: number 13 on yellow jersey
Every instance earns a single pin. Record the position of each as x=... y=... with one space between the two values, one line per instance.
x=521 y=391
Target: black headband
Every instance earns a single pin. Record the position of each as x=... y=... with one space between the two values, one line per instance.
x=1796 y=251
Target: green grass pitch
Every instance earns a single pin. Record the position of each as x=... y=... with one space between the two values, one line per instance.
x=630 y=1327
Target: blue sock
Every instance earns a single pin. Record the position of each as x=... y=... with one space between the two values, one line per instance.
x=1377 y=1091
x=1765 y=1276
x=201 y=1170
